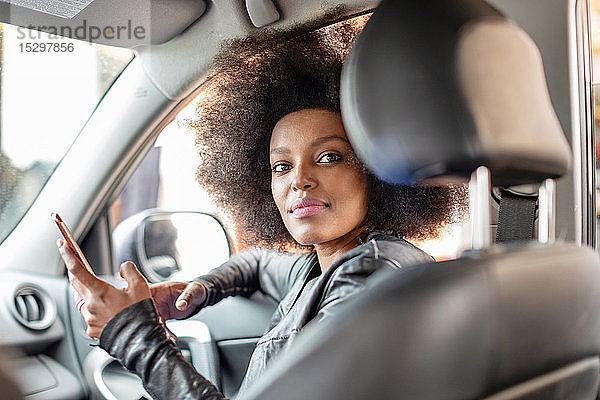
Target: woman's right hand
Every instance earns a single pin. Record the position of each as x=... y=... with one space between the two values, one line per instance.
x=178 y=300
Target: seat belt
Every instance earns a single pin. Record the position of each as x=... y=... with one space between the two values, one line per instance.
x=516 y=217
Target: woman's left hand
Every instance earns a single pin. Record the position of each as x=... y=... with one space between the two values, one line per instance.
x=100 y=301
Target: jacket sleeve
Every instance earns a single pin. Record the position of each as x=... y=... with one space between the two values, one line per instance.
x=270 y=271
x=136 y=338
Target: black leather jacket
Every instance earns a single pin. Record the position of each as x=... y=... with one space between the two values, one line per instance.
x=138 y=341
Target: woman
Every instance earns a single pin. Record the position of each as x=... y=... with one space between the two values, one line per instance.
x=293 y=182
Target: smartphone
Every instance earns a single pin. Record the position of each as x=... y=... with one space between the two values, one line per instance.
x=62 y=227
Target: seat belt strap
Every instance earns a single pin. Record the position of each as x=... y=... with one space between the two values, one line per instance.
x=516 y=217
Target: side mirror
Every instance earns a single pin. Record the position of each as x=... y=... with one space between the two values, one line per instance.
x=171 y=245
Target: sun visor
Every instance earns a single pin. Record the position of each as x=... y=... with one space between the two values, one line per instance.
x=436 y=88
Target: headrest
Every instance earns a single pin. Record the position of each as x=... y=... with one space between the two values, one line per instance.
x=441 y=87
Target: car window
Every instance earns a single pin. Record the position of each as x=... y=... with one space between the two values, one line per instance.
x=49 y=86
x=165 y=178
x=160 y=210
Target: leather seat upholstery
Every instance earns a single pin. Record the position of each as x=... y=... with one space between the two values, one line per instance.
x=519 y=324
x=443 y=87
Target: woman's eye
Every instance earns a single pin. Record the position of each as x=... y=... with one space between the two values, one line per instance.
x=330 y=157
x=280 y=167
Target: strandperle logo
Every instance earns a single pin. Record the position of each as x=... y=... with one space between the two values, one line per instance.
x=84 y=32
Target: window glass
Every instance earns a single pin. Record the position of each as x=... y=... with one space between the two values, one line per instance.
x=49 y=86
x=165 y=179
x=158 y=214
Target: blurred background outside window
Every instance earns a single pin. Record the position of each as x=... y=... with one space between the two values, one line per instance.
x=46 y=97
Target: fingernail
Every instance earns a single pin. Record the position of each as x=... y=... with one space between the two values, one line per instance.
x=181 y=305
x=59 y=243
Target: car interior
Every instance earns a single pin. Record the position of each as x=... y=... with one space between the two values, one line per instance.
x=496 y=92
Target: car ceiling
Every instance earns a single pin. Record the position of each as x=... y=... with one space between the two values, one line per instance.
x=177 y=26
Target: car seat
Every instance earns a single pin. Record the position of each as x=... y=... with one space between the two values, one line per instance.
x=440 y=88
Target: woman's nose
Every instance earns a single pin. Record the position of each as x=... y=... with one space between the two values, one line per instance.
x=303 y=180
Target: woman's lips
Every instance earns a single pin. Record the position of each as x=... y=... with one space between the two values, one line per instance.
x=303 y=208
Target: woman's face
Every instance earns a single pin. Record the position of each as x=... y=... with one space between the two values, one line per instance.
x=316 y=181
